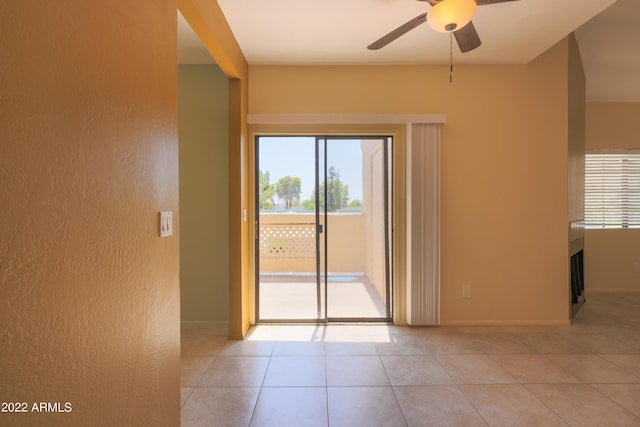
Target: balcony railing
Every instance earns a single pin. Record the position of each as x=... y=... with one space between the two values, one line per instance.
x=287 y=240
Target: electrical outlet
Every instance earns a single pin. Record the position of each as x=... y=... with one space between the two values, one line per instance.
x=466 y=291
x=166 y=224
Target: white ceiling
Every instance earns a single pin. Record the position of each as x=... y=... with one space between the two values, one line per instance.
x=305 y=32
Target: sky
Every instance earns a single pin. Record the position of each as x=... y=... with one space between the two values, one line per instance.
x=295 y=156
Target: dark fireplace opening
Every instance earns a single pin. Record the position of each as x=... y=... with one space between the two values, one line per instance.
x=577 y=276
x=576 y=265
x=577 y=281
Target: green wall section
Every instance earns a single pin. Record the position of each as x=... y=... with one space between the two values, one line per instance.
x=204 y=238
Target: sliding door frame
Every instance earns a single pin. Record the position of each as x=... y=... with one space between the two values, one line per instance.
x=396 y=270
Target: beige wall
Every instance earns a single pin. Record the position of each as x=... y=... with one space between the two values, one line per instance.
x=204 y=238
x=373 y=211
x=613 y=125
x=577 y=90
x=610 y=254
x=576 y=150
x=89 y=294
x=504 y=169
x=609 y=261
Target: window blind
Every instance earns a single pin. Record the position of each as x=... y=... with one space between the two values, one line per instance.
x=612 y=190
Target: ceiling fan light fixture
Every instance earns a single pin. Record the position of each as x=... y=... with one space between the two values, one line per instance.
x=450 y=15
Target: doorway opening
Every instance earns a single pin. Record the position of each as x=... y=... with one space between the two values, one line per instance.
x=323 y=228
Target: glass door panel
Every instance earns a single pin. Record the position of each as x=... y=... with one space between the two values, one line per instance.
x=286 y=241
x=356 y=232
x=323 y=228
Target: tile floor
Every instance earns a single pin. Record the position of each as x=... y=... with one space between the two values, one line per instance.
x=587 y=374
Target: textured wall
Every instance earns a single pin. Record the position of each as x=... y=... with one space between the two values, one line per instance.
x=204 y=194
x=89 y=294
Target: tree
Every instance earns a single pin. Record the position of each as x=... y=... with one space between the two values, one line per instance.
x=309 y=204
x=288 y=189
x=337 y=194
x=337 y=191
x=266 y=190
x=355 y=204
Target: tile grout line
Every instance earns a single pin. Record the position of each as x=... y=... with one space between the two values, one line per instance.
x=610 y=399
x=326 y=383
x=393 y=390
x=471 y=403
x=545 y=403
x=261 y=387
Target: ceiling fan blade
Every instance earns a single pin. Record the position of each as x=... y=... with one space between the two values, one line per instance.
x=401 y=30
x=483 y=2
x=467 y=37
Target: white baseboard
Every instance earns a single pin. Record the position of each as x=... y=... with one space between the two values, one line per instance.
x=505 y=323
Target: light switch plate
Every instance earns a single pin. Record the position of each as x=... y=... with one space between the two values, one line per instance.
x=466 y=291
x=166 y=224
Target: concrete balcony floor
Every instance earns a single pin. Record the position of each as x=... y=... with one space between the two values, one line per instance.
x=294 y=297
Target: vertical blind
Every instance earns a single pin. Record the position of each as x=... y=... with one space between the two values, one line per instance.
x=612 y=190
x=423 y=224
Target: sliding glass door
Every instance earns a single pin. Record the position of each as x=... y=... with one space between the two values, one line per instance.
x=323 y=235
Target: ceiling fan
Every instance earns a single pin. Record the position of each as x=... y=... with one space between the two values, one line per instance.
x=452 y=16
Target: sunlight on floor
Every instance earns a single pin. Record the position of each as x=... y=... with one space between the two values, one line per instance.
x=323 y=333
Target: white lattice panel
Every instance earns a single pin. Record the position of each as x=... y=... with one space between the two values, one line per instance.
x=288 y=240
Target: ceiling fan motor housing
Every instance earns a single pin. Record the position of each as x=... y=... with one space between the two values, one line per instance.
x=448 y=15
